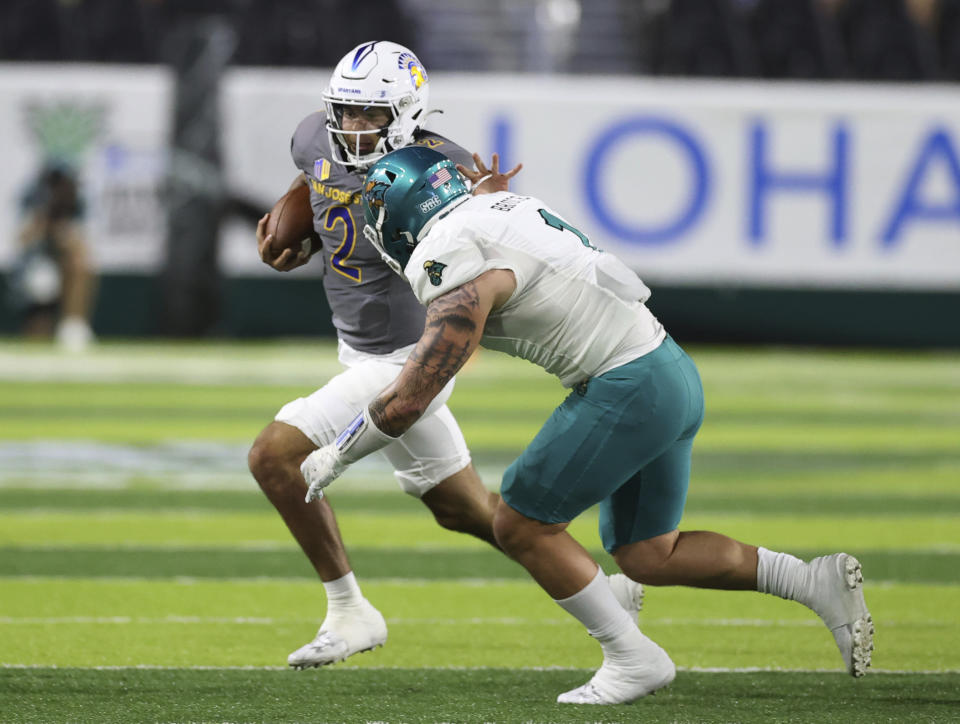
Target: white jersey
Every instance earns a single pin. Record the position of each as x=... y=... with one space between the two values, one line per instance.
x=577 y=311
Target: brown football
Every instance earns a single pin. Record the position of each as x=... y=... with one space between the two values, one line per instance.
x=291 y=222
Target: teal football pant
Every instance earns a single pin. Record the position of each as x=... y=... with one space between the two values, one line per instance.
x=622 y=440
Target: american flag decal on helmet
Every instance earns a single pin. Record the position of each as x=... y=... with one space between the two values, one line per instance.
x=440 y=177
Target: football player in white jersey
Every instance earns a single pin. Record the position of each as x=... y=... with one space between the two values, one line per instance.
x=509 y=272
x=376 y=101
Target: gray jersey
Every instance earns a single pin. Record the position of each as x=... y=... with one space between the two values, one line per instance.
x=374 y=310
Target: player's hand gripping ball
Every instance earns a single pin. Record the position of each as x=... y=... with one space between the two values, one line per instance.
x=291 y=222
x=285 y=236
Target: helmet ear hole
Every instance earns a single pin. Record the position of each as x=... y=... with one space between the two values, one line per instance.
x=390 y=175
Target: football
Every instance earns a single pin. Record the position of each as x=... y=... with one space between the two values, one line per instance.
x=291 y=222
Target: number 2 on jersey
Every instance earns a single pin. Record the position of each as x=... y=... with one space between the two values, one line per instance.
x=338 y=259
x=557 y=223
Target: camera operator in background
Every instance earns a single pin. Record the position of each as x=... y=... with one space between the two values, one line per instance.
x=53 y=284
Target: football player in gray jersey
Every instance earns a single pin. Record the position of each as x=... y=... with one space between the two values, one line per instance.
x=376 y=102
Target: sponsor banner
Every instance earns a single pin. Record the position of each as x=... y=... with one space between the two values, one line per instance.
x=110 y=124
x=719 y=183
x=786 y=184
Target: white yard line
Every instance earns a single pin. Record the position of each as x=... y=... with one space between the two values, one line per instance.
x=344 y=667
x=308 y=362
x=391 y=581
x=470 y=620
x=168 y=465
x=311 y=363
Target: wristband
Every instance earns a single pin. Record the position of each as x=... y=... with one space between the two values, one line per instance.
x=360 y=438
x=477 y=184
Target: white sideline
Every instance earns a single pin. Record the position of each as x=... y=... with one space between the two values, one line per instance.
x=303 y=364
x=475 y=620
x=475 y=582
x=688 y=669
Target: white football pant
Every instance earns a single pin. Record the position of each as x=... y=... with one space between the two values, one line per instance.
x=428 y=453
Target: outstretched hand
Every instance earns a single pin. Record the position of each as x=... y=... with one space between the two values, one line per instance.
x=488 y=180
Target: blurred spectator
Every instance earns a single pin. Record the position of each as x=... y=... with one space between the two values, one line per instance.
x=818 y=39
x=794 y=40
x=946 y=29
x=107 y=31
x=28 y=30
x=884 y=41
x=696 y=38
x=294 y=32
x=312 y=33
x=52 y=284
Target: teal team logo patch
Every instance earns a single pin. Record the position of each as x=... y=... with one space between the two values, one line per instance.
x=434 y=270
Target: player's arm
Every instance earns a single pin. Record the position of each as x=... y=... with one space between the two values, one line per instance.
x=451 y=334
x=285 y=259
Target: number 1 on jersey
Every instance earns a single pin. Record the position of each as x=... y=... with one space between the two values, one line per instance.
x=557 y=223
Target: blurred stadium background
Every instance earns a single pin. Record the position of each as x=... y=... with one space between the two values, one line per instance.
x=778 y=170
x=785 y=174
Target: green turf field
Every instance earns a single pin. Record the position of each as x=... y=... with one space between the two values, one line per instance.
x=143 y=577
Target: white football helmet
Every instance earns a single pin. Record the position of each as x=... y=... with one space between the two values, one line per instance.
x=376 y=74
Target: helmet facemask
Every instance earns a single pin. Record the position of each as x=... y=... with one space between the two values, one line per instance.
x=377 y=75
x=344 y=144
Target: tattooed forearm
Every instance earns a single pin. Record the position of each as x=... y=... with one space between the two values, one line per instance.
x=462 y=303
x=378 y=413
x=451 y=334
x=437 y=363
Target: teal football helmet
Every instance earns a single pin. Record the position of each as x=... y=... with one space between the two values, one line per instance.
x=405 y=193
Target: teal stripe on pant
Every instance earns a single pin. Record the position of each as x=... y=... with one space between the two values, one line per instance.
x=624 y=443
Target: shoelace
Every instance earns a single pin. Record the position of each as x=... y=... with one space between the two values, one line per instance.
x=590 y=692
x=324 y=639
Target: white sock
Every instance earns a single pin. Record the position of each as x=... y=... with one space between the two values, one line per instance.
x=604 y=618
x=343 y=592
x=781 y=574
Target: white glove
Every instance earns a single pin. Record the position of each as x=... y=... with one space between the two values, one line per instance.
x=357 y=440
x=321 y=468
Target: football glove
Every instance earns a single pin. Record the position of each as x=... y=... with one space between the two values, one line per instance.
x=322 y=467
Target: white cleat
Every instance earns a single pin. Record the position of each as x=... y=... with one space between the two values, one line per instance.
x=344 y=633
x=586 y=694
x=621 y=683
x=629 y=593
x=837 y=597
